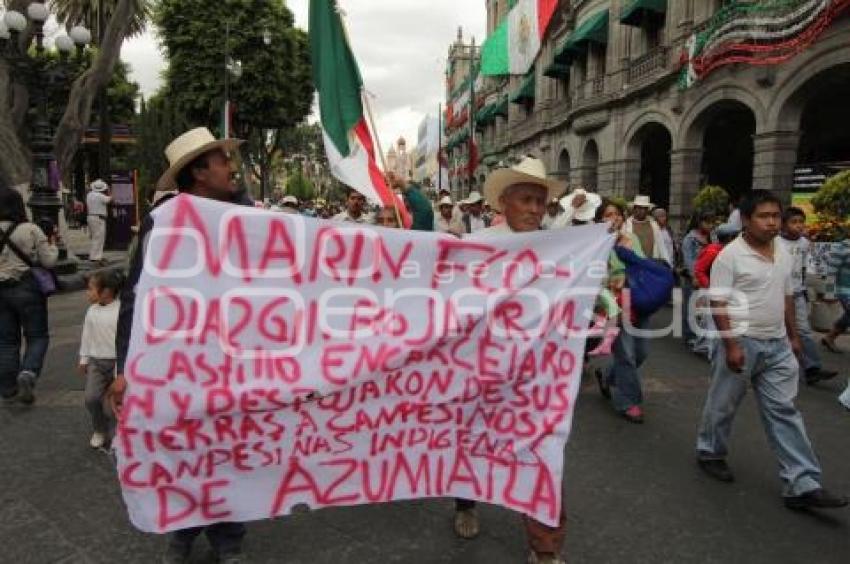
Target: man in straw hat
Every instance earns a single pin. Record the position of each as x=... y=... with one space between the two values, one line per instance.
x=474 y=219
x=647 y=230
x=446 y=221
x=521 y=194
x=579 y=208
x=97 y=201
x=200 y=165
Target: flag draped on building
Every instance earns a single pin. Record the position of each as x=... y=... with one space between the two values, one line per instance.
x=757 y=33
x=514 y=46
x=348 y=141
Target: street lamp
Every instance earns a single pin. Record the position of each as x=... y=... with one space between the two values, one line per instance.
x=32 y=70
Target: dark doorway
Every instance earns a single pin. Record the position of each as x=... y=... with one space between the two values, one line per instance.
x=655 y=146
x=728 y=149
x=825 y=125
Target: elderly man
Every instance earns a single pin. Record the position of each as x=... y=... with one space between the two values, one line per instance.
x=200 y=165
x=446 y=220
x=521 y=194
x=647 y=230
x=97 y=201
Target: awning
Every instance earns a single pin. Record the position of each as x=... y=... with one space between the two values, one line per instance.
x=486 y=115
x=557 y=70
x=525 y=93
x=592 y=30
x=636 y=11
x=501 y=108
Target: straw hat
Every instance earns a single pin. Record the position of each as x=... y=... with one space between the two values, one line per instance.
x=641 y=202
x=587 y=210
x=529 y=171
x=445 y=201
x=99 y=186
x=290 y=200
x=474 y=197
x=187 y=148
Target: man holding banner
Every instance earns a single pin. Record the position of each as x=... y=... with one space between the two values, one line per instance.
x=199 y=165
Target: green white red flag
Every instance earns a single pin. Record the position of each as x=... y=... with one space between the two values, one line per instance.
x=348 y=141
x=514 y=46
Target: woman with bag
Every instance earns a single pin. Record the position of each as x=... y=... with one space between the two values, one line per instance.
x=23 y=302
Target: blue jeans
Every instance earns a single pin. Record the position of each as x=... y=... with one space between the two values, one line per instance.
x=811 y=357
x=773 y=371
x=688 y=333
x=629 y=354
x=23 y=310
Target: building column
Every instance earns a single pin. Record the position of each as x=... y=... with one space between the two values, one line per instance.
x=774 y=161
x=606 y=182
x=626 y=177
x=685 y=167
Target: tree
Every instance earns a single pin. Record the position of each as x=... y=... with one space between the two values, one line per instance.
x=156 y=125
x=16 y=166
x=300 y=187
x=275 y=91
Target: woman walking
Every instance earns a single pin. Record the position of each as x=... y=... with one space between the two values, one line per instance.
x=23 y=307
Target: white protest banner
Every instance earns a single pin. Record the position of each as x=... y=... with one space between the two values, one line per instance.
x=277 y=361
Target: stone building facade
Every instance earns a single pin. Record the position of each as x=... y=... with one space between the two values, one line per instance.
x=605 y=106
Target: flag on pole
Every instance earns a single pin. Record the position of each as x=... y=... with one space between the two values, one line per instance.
x=514 y=46
x=348 y=141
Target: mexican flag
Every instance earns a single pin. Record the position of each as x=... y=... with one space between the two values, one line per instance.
x=514 y=46
x=348 y=141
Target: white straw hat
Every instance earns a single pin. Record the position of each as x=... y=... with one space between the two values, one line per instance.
x=586 y=211
x=529 y=171
x=445 y=201
x=641 y=202
x=99 y=186
x=187 y=148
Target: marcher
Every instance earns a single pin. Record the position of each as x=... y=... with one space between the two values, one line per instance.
x=579 y=208
x=97 y=202
x=752 y=300
x=201 y=166
x=23 y=307
x=474 y=219
x=621 y=381
x=289 y=204
x=520 y=193
x=660 y=217
x=97 y=349
x=797 y=247
x=355 y=204
x=839 y=267
x=647 y=230
x=446 y=221
x=697 y=238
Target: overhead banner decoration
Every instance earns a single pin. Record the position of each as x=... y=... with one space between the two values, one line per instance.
x=516 y=42
x=278 y=361
x=756 y=33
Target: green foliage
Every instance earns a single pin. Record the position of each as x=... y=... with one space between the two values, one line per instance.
x=300 y=187
x=157 y=124
x=832 y=200
x=275 y=90
x=93 y=13
x=712 y=198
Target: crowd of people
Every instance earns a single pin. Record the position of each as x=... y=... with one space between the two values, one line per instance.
x=756 y=257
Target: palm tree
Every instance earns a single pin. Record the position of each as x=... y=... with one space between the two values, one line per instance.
x=94 y=14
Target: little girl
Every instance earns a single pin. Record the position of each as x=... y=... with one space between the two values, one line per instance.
x=97 y=349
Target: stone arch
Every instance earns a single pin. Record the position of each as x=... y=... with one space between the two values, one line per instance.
x=648 y=117
x=589 y=170
x=563 y=164
x=694 y=121
x=648 y=165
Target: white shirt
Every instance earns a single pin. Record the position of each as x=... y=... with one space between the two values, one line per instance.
x=799 y=252
x=98 y=340
x=754 y=287
x=453 y=227
x=96 y=202
x=30 y=239
x=476 y=224
x=735 y=219
x=343 y=216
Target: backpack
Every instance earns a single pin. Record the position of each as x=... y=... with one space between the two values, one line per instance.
x=650 y=282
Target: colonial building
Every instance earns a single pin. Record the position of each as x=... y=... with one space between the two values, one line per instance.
x=399 y=160
x=463 y=83
x=661 y=97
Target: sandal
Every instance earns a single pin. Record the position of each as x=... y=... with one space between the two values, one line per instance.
x=830 y=346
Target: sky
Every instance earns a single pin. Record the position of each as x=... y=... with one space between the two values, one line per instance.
x=401 y=45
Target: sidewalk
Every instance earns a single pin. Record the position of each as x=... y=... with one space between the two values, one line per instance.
x=78 y=243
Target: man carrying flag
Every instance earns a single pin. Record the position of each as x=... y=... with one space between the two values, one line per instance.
x=348 y=141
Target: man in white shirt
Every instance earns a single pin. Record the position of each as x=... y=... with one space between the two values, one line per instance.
x=752 y=301
x=97 y=201
x=474 y=219
x=446 y=221
x=354 y=212
x=797 y=247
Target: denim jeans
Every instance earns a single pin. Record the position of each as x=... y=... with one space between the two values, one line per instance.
x=810 y=357
x=225 y=538
x=773 y=371
x=23 y=309
x=629 y=354
x=688 y=333
x=843 y=322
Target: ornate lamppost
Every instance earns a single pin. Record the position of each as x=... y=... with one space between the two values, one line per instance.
x=41 y=78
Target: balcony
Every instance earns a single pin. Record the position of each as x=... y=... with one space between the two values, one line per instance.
x=648 y=65
x=524 y=128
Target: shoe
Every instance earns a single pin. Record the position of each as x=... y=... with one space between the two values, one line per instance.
x=534 y=558
x=466 y=523
x=604 y=388
x=716 y=468
x=634 y=414
x=26 y=385
x=97 y=440
x=830 y=346
x=176 y=554
x=819 y=498
x=815 y=375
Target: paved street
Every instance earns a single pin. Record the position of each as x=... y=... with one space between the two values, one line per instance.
x=633 y=493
